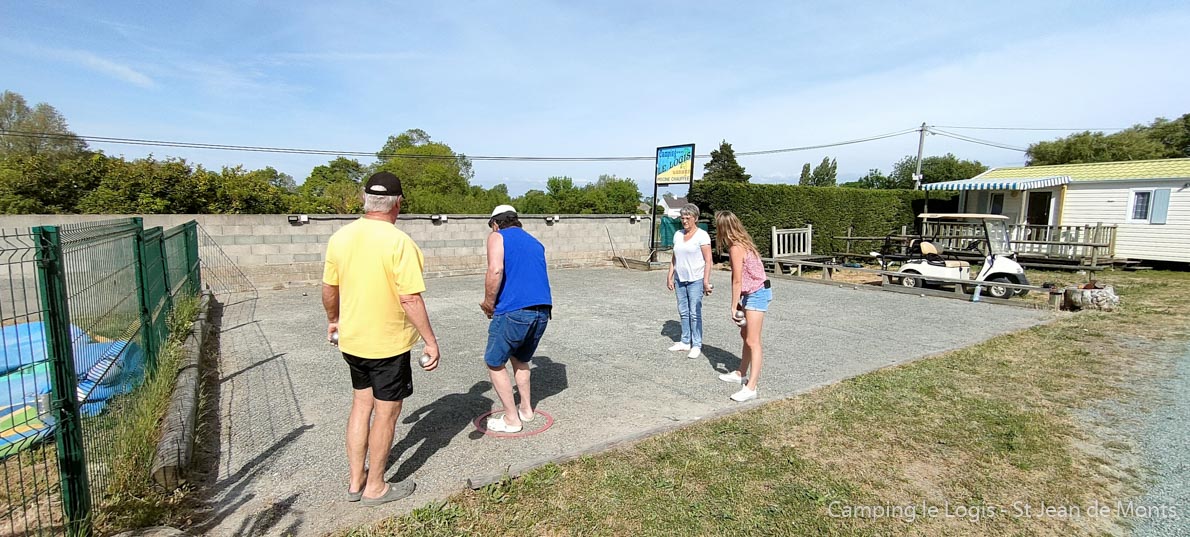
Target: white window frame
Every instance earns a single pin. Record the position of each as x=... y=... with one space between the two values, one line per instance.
x=1132 y=206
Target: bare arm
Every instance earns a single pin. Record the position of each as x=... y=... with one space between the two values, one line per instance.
x=494 y=275
x=737 y=275
x=415 y=312
x=330 y=303
x=669 y=279
x=706 y=258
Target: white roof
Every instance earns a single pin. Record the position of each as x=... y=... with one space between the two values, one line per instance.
x=999 y=184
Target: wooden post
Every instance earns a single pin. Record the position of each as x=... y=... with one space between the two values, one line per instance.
x=809 y=239
x=847 y=252
x=1111 y=244
x=773 y=245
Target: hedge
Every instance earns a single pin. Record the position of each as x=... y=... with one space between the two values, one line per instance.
x=830 y=209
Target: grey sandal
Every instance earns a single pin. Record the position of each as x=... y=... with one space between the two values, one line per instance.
x=395 y=492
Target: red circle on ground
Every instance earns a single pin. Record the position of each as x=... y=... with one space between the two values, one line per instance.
x=482 y=424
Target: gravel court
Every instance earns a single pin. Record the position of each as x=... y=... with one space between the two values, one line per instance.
x=602 y=371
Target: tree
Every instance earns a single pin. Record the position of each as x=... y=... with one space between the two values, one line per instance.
x=248 y=192
x=934 y=170
x=824 y=174
x=406 y=140
x=723 y=166
x=40 y=130
x=1161 y=138
x=874 y=179
x=148 y=186
x=805 y=176
x=1174 y=135
x=340 y=170
x=1129 y=144
x=431 y=172
x=535 y=202
x=612 y=195
x=343 y=198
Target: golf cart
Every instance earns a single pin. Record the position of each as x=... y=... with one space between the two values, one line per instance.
x=971 y=234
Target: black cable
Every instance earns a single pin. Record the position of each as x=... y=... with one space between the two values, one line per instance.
x=848 y=142
x=1029 y=128
x=265 y=149
x=976 y=140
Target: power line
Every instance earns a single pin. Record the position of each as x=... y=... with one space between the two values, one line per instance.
x=826 y=145
x=1030 y=128
x=976 y=140
x=329 y=152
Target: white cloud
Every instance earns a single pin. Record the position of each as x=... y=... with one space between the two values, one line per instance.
x=88 y=60
x=111 y=68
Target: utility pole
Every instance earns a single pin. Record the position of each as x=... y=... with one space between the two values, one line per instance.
x=921 y=143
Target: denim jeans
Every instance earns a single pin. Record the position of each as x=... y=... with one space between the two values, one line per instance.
x=690 y=309
x=515 y=334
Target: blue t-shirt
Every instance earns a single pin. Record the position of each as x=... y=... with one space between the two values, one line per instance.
x=525 y=280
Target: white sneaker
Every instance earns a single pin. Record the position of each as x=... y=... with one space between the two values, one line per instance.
x=734 y=376
x=679 y=346
x=695 y=352
x=744 y=395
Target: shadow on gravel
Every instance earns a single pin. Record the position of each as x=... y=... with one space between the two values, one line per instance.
x=672 y=330
x=435 y=424
x=251 y=416
x=548 y=380
x=720 y=360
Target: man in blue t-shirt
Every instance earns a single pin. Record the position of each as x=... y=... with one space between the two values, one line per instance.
x=517 y=300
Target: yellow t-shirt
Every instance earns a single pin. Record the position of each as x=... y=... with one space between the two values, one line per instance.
x=373 y=263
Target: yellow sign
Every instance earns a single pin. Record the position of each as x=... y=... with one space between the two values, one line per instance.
x=675 y=164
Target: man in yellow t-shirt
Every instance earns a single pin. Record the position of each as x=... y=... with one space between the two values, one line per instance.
x=371 y=291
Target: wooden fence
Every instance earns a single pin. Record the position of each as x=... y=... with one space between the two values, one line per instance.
x=1087 y=244
x=793 y=242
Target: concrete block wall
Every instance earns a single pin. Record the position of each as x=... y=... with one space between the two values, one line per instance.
x=270 y=251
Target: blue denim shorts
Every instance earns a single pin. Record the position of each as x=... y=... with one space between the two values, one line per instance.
x=515 y=334
x=757 y=300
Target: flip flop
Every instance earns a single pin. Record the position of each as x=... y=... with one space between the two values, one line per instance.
x=355 y=496
x=395 y=492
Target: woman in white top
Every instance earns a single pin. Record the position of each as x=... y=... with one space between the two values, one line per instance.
x=690 y=275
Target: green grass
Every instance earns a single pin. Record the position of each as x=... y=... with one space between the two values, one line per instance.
x=131 y=429
x=981 y=428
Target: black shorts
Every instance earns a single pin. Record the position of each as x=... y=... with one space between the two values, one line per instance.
x=391 y=379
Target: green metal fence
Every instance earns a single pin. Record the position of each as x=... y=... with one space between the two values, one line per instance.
x=84 y=310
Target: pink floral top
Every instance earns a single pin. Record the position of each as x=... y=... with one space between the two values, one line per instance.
x=753 y=276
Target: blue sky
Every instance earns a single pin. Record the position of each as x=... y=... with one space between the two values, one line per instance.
x=594 y=78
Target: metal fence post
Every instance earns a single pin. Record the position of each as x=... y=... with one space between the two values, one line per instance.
x=142 y=294
x=162 y=255
x=194 y=273
x=72 y=463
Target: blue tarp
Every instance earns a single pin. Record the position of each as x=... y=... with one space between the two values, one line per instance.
x=104 y=369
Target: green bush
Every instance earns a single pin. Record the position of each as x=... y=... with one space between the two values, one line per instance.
x=830 y=209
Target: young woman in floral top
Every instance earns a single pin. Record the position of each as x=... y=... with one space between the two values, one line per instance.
x=750 y=295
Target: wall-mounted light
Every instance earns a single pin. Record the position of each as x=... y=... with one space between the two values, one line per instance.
x=438 y=218
x=552 y=219
x=298 y=219
x=636 y=218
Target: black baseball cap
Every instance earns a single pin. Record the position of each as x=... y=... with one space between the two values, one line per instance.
x=383 y=184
